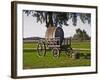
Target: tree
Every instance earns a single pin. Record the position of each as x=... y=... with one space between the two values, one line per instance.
x=58 y=18
x=85 y=36
x=81 y=35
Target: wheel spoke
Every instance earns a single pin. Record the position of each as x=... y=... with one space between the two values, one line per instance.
x=55 y=52
x=41 y=49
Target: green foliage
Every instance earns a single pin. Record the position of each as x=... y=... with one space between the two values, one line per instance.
x=58 y=18
x=81 y=35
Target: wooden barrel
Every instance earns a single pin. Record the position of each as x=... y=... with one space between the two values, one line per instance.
x=53 y=32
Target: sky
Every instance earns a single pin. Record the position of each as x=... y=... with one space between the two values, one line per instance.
x=33 y=29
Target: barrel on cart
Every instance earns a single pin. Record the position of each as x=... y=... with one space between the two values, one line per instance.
x=55 y=32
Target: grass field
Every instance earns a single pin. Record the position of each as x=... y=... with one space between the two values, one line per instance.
x=32 y=60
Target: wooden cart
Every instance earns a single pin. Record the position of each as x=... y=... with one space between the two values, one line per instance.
x=55 y=46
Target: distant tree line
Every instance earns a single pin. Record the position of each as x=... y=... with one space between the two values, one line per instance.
x=81 y=35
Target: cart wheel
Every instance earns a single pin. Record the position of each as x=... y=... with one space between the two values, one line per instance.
x=41 y=49
x=56 y=52
x=69 y=51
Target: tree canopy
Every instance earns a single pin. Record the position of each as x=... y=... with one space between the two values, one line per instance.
x=58 y=18
x=81 y=35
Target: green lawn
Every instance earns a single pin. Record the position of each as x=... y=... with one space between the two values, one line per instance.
x=32 y=60
x=81 y=44
x=30 y=45
x=75 y=44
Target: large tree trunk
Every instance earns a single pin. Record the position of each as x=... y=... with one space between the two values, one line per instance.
x=53 y=31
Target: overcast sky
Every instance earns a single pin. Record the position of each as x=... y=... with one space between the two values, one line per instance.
x=33 y=29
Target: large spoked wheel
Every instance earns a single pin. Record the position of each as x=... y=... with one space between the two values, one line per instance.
x=55 y=52
x=41 y=49
x=69 y=51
